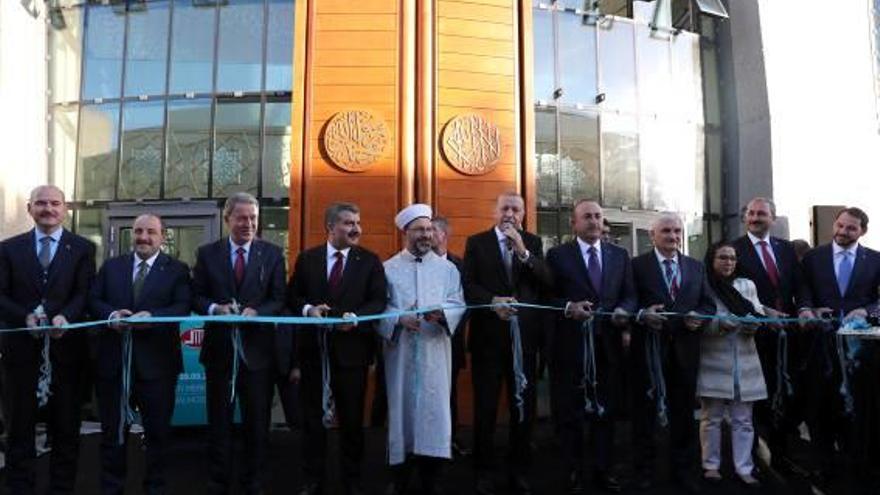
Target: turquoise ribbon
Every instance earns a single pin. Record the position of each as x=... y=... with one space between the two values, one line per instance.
x=590 y=380
x=657 y=391
x=328 y=404
x=783 y=379
x=126 y=413
x=519 y=375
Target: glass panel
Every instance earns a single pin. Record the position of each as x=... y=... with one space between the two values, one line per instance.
x=63 y=144
x=620 y=157
x=617 y=66
x=236 y=148
x=712 y=99
x=88 y=225
x=670 y=155
x=105 y=31
x=643 y=241
x=686 y=83
x=548 y=228
x=573 y=4
x=189 y=145
x=142 y=149
x=543 y=35
x=279 y=52
x=240 y=52
x=614 y=7
x=621 y=234
x=577 y=59
x=98 y=146
x=579 y=156
x=274 y=228
x=276 y=152
x=546 y=157
x=147 y=49
x=654 y=77
x=65 y=51
x=192 y=48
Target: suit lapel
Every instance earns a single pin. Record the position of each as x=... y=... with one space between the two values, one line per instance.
x=661 y=280
x=26 y=247
x=577 y=258
x=606 y=264
x=494 y=246
x=254 y=265
x=152 y=279
x=858 y=262
x=226 y=265
x=321 y=264
x=351 y=266
x=61 y=259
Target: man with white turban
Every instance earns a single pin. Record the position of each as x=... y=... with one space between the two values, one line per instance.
x=418 y=352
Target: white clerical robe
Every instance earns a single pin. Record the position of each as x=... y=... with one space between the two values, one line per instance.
x=418 y=364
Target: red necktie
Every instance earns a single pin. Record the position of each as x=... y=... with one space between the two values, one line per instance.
x=238 y=268
x=769 y=264
x=335 y=280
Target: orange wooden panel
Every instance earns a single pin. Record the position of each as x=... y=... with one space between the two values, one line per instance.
x=488 y=99
x=365 y=94
x=452 y=207
x=473 y=46
x=475 y=29
x=326 y=110
x=477 y=63
x=475 y=12
x=355 y=22
x=355 y=58
x=504 y=119
x=359 y=75
x=361 y=6
x=366 y=40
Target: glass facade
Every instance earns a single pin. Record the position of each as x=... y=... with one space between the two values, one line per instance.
x=163 y=100
x=619 y=115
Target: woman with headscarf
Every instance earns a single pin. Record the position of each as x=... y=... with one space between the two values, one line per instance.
x=730 y=377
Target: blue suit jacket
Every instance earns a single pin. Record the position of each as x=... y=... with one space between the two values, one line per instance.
x=166 y=292
x=820 y=283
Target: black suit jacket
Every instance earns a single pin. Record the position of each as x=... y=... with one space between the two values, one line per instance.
x=820 y=283
x=572 y=283
x=694 y=295
x=484 y=278
x=459 y=359
x=750 y=266
x=262 y=289
x=363 y=292
x=166 y=292
x=65 y=292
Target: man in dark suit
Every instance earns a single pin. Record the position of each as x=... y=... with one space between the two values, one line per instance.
x=243 y=274
x=45 y=275
x=143 y=283
x=338 y=279
x=841 y=279
x=501 y=265
x=459 y=357
x=668 y=281
x=772 y=265
x=590 y=275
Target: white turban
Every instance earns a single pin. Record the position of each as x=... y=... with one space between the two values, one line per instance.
x=411 y=213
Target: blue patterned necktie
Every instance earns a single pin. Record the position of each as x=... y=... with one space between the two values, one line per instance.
x=844 y=271
x=594 y=269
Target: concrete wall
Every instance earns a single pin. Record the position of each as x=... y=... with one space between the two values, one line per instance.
x=823 y=115
x=22 y=109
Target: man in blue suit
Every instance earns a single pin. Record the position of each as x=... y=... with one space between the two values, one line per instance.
x=590 y=275
x=143 y=283
x=45 y=275
x=668 y=281
x=842 y=279
x=243 y=274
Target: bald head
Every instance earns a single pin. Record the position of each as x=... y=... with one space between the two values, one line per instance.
x=37 y=191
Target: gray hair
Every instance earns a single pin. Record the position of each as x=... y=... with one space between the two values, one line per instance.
x=237 y=199
x=331 y=214
x=664 y=218
x=37 y=189
x=769 y=202
x=440 y=222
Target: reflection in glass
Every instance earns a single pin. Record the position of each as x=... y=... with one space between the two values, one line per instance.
x=98 y=147
x=671 y=152
x=579 y=156
x=577 y=59
x=686 y=83
x=192 y=48
x=63 y=145
x=274 y=228
x=654 y=77
x=620 y=161
x=240 y=51
x=548 y=228
x=617 y=66
x=279 y=49
x=189 y=145
x=142 y=149
x=712 y=100
x=543 y=57
x=146 y=49
x=65 y=52
x=276 y=152
x=236 y=148
x=87 y=223
x=105 y=33
x=181 y=241
x=546 y=157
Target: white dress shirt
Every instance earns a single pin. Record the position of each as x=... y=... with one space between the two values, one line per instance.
x=837 y=256
x=53 y=245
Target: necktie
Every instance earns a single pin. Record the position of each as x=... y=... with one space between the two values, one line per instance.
x=594 y=270
x=671 y=278
x=45 y=254
x=844 y=271
x=769 y=264
x=507 y=258
x=335 y=280
x=238 y=268
x=139 y=278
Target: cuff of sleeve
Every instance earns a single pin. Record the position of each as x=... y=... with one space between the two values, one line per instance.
x=211 y=309
x=306 y=309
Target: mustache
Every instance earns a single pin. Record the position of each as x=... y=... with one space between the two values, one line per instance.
x=353 y=235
